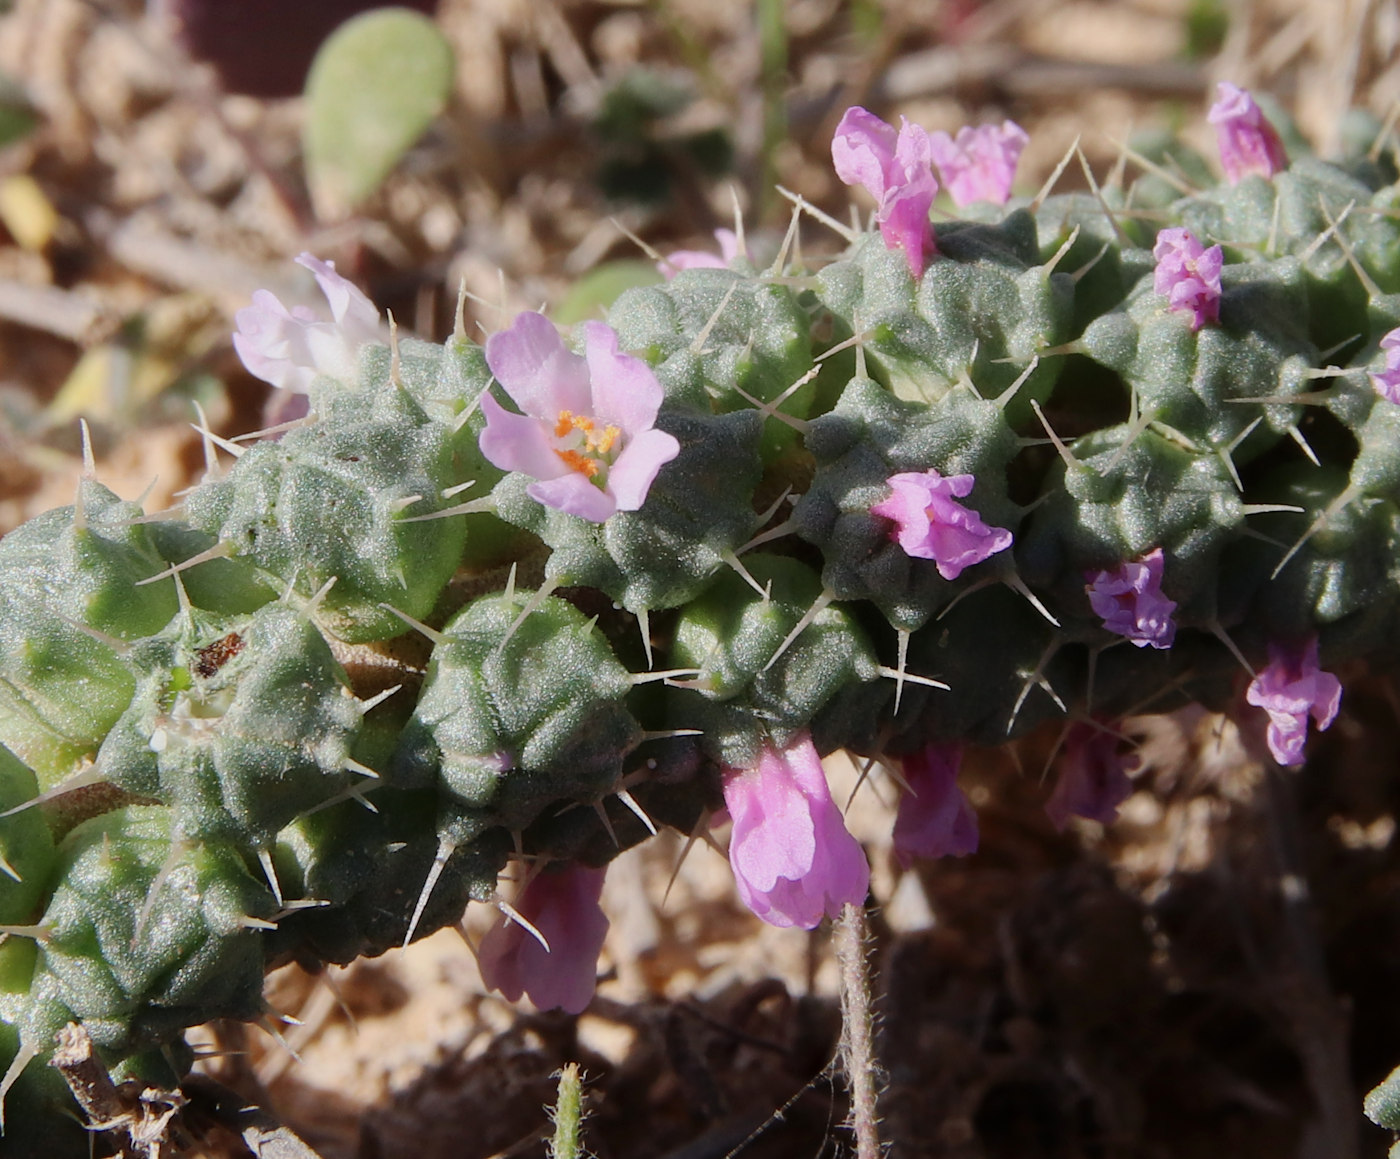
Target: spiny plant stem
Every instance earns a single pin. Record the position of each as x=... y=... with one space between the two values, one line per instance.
x=568 y=1115
x=857 y=1041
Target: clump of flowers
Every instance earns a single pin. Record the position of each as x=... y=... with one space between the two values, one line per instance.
x=1093 y=778
x=1248 y=143
x=562 y=905
x=1130 y=601
x=1387 y=381
x=896 y=168
x=1291 y=689
x=794 y=860
x=1188 y=275
x=291 y=348
x=930 y=523
x=588 y=432
x=935 y=818
x=979 y=164
x=674 y=263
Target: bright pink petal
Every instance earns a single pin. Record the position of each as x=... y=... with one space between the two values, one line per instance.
x=1291 y=689
x=515 y=442
x=935 y=818
x=1129 y=599
x=574 y=494
x=537 y=370
x=631 y=477
x=1248 y=143
x=863 y=150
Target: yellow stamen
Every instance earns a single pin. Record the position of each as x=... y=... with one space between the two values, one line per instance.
x=603 y=443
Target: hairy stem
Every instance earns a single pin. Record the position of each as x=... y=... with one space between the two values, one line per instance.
x=857 y=1042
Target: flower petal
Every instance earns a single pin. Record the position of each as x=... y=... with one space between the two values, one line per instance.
x=573 y=494
x=631 y=477
x=537 y=370
x=515 y=442
x=625 y=389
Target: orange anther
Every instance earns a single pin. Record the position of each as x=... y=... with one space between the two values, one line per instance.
x=586 y=467
x=565 y=424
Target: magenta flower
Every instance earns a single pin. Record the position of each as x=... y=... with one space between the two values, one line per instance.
x=1387 y=382
x=1248 y=143
x=935 y=818
x=931 y=524
x=1130 y=601
x=563 y=906
x=1093 y=777
x=979 y=164
x=794 y=861
x=291 y=348
x=1291 y=689
x=588 y=432
x=1188 y=275
x=672 y=264
x=896 y=168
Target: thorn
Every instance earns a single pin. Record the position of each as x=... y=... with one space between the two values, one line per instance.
x=962 y=595
x=1362 y=276
x=631 y=802
x=453 y=492
x=1261 y=508
x=403 y=503
x=308 y=420
x=39 y=933
x=9 y=871
x=353 y=766
x=1016 y=584
x=1035 y=679
x=221 y=550
x=1271 y=242
x=116 y=643
x=786 y=527
x=1335 y=507
x=1228 y=449
x=1297 y=436
x=26 y=1054
x=804 y=206
x=471 y=507
x=1098 y=196
x=367 y=706
x=1065 y=453
x=248 y=922
x=903 y=634
x=1321 y=239
x=395 y=364
x=1218 y=631
x=1185 y=188
x=1083 y=270
x=417 y=625
x=535 y=601
x=519 y=919
x=733 y=561
x=1039 y=199
x=927 y=681
x=697 y=347
x=263 y=1023
x=223 y=444
x=647 y=249
x=509 y=594
x=644 y=627
x=178 y=848
x=780 y=261
x=445 y=850
x=818 y=606
x=89 y=462
x=270 y=872
x=864 y=771
x=88 y=775
x=665 y=676
x=668 y=733
x=1135 y=428
x=1059 y=254
x=459 y=318
x=1010 y=392
x=768 y=412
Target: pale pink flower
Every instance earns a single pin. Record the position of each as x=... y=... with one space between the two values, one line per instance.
x=1387 y=381
x=794 y=861
x=931 y=524
x=291 y=348
x=935 y=818
x=674 y=263
x=1188 y=275
x=896 y=168
x=587 y=434
x=1291 y=689
x=563 y=906
x=1129 y=599
x=979 y=164
x=1248 y=143
x=1093 y=779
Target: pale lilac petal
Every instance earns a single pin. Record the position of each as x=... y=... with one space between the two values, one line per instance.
x=674 y=263
x=728 y=242
x=537 y=370
x=515 y=442
x=1248 y=143
x=1093 y=779
x=564 y=907
x=930 y=524
x=935 y=818
x=980 y=165
x=573 y=494
x=794 y=861
x=1291 y=689
x=631 y=476
x=354 y=313
x=1387 y=381
x=1129 y=599
x=625 y=389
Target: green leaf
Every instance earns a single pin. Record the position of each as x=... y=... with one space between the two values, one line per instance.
x=374 y=88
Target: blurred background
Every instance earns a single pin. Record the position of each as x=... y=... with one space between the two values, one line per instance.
x=1213 y=976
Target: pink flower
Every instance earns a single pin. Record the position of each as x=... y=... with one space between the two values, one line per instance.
x=1387 y=382
x=563 y=906
x=793 y=858
x=1188 y=275
x=935 y=818
x=979 y=164
x=1291 y=689
x=290 y=349
x=896 y=169
x=931 y=524
x=672 y=264
x=1093 y=777
x=1248 y=143
x=1129 y=599
x=588 y=432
